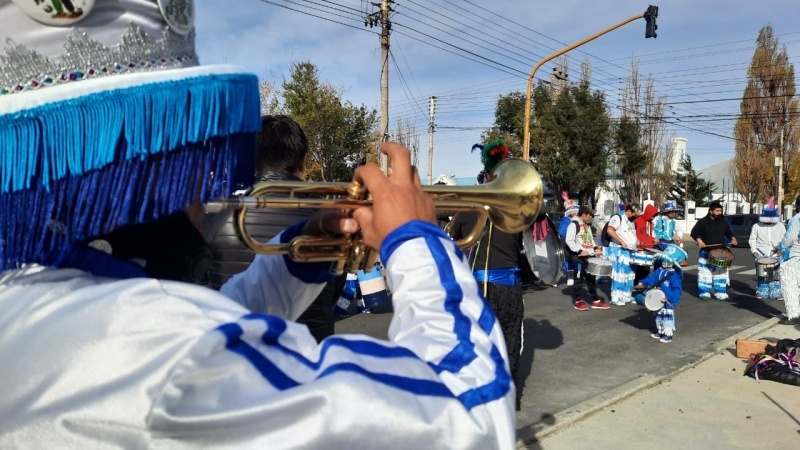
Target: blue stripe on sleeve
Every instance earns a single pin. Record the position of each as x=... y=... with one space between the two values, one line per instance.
x=413 y=385
x=233 y=342
x=495 y=390
x=312 y=273
x=409 y=230
x=464 y=351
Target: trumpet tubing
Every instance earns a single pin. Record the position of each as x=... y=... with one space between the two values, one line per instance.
x=512 y=200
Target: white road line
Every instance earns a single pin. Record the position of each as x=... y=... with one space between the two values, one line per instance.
x=747 y=272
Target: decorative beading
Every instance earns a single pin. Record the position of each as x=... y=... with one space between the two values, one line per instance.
x=22 y=69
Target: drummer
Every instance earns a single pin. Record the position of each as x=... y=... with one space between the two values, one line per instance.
x=669 y=279
x=710 y=233
x=580 y=246
x=645 y=234
x=764 y=237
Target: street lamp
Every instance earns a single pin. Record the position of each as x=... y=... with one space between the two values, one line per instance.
x=650 y=32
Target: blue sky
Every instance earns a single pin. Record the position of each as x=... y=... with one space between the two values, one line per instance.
x=487 y=48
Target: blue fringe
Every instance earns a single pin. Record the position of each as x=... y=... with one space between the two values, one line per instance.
x=82 y=168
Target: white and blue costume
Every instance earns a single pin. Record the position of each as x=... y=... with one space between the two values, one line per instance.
x=666 y=229
x=764 y=237
x=790 y=267
x=620 y=256
x=137 y=363
x=671 y=284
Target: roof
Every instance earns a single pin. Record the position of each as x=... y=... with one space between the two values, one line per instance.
x=720 y=174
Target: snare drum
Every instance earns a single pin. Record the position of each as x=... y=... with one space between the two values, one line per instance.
x=720 y=258
x=652 y=300
x=642 y=258
x=373 y=288
x=598 y=267
x=768 y=268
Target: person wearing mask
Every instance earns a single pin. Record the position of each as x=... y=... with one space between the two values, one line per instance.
x=711 y=233
x=580 y=247
x=622 y=242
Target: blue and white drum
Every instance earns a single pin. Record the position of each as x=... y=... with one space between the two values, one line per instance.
x=642 y=258
x=373 y=288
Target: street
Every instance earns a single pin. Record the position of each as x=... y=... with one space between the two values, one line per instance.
x=571 y=356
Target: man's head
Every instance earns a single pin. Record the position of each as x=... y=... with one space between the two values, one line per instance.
x=281 y=146
x=585 y=214
x=632 y=210
x=670 y=209
x=715 y=210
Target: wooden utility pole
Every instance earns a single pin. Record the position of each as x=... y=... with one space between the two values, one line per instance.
x=386 y=27
x=430 y=141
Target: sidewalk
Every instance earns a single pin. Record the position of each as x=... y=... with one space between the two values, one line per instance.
x=709 y=404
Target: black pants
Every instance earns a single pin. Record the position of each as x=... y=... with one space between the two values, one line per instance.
x=318 y=317
x=507 y=305
x=580 y=264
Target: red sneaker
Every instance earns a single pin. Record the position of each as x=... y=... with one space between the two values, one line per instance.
x=580 y=305
x=599 y=304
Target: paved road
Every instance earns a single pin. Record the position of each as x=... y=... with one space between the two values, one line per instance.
x=572 y=356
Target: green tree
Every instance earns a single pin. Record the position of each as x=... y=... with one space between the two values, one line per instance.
x=339 y=133
x=571 y=138
x=631 y=157
x=687 y=178
x=769 y=115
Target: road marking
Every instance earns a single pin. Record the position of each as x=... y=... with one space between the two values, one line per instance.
x=747 y=272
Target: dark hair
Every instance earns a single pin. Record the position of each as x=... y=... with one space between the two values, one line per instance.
x=280 y=145
x=633 y=207
x=714 y=205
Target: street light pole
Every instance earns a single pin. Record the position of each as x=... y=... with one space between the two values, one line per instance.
x=779 y=163
x=650 y=15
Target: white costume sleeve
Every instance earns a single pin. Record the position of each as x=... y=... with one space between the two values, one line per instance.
x=274 y=284
x=571 y=237
x=442 y=381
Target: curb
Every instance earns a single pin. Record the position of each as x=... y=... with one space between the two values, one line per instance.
x=532 y=433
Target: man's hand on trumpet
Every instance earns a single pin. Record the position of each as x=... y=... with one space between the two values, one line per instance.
x=397 y=199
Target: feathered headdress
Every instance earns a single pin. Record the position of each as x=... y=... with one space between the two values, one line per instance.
x=492 y=153
x=571 y=207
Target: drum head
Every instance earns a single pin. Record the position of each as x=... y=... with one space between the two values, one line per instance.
x=767 y=261
x=652 y=300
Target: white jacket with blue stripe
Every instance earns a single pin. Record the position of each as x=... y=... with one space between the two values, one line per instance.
x=90 y=362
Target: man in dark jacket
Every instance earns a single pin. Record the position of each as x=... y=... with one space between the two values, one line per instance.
x=281 y=149
x=710 y=233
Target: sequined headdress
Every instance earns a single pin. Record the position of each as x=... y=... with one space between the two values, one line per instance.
x=106 y=119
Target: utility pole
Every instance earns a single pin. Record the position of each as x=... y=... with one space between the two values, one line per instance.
x=430 y=141
x=779 y=163
x=382 y=18
x=386 y=28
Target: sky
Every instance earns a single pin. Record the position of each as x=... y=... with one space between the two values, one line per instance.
x=467 y=53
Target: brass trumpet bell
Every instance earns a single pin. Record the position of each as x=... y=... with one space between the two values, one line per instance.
x=511 y=200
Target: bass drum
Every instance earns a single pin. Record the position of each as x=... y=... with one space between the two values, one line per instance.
x=546 y=256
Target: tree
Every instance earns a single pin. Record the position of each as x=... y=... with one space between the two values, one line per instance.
x=270 y=98
x=406 y=134
x=570 y=138
x=768 y=118
x=641 y=145
x=339 y=134
x=570 y=135
x=699 y=189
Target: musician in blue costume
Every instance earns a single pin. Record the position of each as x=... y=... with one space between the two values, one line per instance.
x=765 y=236
x=108 y=352
x=668 y=277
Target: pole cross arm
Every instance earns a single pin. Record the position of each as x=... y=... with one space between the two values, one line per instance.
x=650 y=15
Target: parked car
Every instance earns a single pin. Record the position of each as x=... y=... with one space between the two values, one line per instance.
x=742 y=224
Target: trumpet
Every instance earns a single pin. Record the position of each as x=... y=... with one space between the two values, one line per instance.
x=511 y=201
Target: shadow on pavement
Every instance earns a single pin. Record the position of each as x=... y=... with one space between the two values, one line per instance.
x=539 y=334
x=642 y=319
